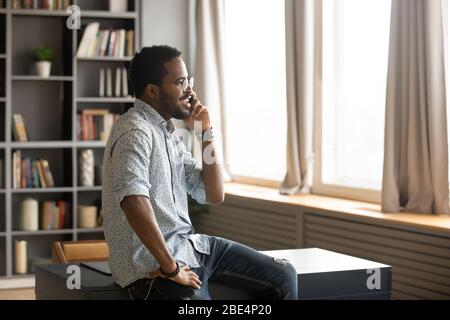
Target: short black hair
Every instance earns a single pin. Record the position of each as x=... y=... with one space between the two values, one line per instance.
x=147 y=66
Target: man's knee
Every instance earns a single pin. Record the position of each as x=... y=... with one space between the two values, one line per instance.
x=288 y=277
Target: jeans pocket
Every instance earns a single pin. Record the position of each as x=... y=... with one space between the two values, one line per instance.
x=140 y=289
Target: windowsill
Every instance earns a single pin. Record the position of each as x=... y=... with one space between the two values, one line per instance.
x=368 y=211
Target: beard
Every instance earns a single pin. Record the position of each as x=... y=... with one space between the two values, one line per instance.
x=173 y=107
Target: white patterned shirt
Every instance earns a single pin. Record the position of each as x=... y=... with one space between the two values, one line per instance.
x=143 y=156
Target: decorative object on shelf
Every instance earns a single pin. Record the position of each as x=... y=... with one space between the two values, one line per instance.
x=87 y=217
x=20 y=265
x=29 y=215
x=19 y=129
x=87 y=169
x=118 y=5
x=43 y=56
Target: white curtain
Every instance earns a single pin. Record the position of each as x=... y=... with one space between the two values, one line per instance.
x=415 y=175
x=209 y=67
x=301 y=52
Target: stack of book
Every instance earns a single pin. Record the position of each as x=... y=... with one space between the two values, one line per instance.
x=95 y=124
x=55 y=215
x=105 y=43
x=41 y=4
x=29 y=173
x=106 y=83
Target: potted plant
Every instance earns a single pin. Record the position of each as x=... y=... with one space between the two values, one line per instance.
x=43 y=57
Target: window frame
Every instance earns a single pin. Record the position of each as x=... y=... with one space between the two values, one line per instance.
x=319 y=187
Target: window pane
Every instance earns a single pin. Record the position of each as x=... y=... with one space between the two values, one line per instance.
x=256 y=88
x=355 y=60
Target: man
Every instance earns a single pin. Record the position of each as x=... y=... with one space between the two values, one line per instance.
x=154 y=250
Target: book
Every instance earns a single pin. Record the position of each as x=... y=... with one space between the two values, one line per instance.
x=27 y=4
x=122 y=36
x=104 y=43
x=112 y=41
x=88 y=37
x=19 y=130
x=108 y=82
x=124 y=83
x=130 y=43
x=34 y=168
x=41 y=174
x=118 y=81
x=47 y=173
x=101 y=92
x=16 y=4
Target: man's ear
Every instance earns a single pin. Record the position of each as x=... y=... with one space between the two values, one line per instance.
x=152 y=91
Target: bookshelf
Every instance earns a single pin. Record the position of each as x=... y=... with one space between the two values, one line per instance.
x=49 y=108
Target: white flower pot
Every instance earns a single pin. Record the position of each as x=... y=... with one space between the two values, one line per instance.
x=43 y=68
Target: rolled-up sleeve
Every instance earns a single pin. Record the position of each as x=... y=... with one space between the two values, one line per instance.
x=193 y=172
x=130 y=159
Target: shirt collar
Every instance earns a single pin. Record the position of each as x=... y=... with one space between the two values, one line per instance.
x=154 y=117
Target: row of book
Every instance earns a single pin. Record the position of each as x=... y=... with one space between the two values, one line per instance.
x=105 y=43
x=41 y=4
x=106 y=83
x=95 y=124
x=28 y=173
x=55 y=215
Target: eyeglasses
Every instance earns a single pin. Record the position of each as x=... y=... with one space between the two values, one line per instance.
x=188 y=83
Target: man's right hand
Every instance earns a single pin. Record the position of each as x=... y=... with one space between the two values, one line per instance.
x=187 y=277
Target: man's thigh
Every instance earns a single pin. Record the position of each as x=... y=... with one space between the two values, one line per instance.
x=240 y=266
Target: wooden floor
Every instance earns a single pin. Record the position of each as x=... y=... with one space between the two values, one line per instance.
x=17 y=294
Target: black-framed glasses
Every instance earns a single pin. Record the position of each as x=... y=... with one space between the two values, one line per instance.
x=188 y=82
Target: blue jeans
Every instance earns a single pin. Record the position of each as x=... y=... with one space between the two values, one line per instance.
x=230 y=263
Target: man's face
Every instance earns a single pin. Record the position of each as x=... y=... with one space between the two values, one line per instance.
x=172 y=98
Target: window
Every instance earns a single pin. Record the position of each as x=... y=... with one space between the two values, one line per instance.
x=447 y=74
x=256 y=88
x=355 y=48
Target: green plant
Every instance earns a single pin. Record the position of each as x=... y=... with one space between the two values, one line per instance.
x=43 y=53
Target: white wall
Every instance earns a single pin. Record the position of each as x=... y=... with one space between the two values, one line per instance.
x=167 y=22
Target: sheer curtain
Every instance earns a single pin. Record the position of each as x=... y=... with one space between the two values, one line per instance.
x=301 y=20
x=209 y=68
x=415 y=175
